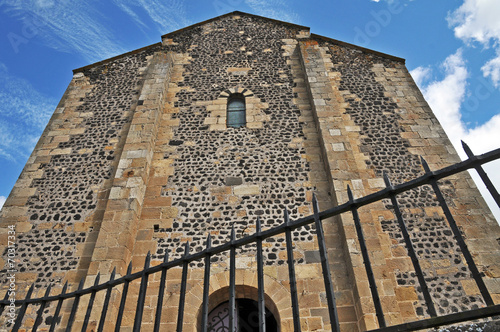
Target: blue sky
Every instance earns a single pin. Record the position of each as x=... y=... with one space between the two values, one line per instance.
x=451 y=47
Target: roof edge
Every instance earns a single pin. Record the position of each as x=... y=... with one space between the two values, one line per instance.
x=312 y=35
x=78 y=70
x=236 y=12
x=384 y=55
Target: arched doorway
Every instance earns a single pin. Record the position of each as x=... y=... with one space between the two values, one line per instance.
x=247 y=312
x=247 y=317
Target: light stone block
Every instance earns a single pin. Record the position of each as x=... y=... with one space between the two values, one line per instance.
x=338 y=147
x=246 y=190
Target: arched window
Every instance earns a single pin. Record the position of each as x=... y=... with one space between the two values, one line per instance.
x=236 y=116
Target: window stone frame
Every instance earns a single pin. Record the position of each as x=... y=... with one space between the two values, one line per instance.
x=254 y=110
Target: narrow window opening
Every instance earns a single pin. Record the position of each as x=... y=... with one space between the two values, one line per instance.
x=236 y=115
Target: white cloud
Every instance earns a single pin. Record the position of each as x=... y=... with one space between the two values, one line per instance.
x=390 y=1
x=477 y=21
x=75 y=26
x=421 y=75
x=24 y=112
x=486 y=137
x=492 y=69
x=445 y=98
x=2 y=201
x=482 y=139
x=67 y=26
x=168 y=15
x=276 y=9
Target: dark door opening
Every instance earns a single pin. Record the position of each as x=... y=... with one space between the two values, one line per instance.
x=247 y=314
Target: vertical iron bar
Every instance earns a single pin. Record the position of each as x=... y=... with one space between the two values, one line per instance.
x=486 y=180
x=2 y=306
x=22 y=310
x=161 y=293
x=106 y=303
x=291 y=275
x=76 y=302
x=123 y=300
x=142 y=295
x=366 y=260
x=90 y=305
x=459 y=238
x=232 y=283
x=39 y=315
x=327 y=276
x=58 y=308
x=411 y=250
x=182 y=297
x=260 y=279
x=206 y=286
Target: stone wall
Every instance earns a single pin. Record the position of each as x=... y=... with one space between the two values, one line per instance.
x=206 y=177
x=224 y=176
x=138 y=158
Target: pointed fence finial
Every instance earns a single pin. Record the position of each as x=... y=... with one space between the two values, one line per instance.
x=233 y=234
x=425 y=165
x=349 y=194
x=65 y=287
x=129 y=268
x=30 y=290
x=165 y=257
x=147 y=260
x=113 y=274
x=286 y=216
x=209 y=241
x=96 y=281
x=467 y=149
x=47 y=292
x=258 y=225
x=386 y=180
x=80 y=285
x=186 y=249
x=314 y=199
x=315 y=205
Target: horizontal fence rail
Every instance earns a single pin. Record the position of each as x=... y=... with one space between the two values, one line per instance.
x=352 y=205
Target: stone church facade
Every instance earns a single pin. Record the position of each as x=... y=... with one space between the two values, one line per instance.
x=141 y=156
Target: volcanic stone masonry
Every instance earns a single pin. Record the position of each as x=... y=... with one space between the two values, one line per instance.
x=138 y=158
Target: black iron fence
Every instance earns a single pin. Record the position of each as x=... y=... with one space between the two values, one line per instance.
x=390 y=192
